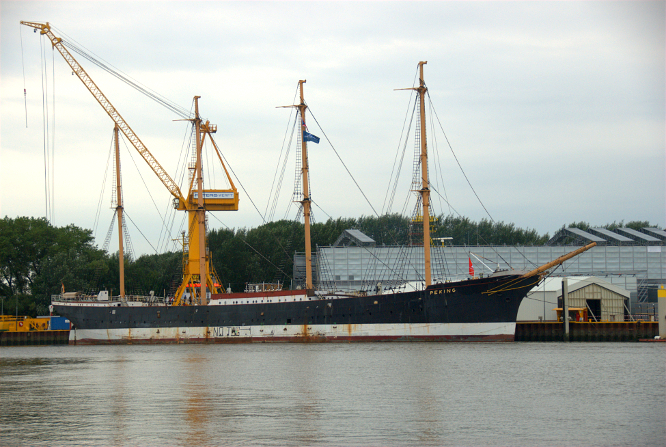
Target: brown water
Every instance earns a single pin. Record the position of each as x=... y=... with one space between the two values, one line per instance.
x=335 y=394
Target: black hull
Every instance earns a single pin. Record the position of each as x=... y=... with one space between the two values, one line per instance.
x=432 y=313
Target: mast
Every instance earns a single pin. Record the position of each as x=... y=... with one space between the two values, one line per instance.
x=425 y=186
x=306 y=194
x=201 y=212
x=119 y=211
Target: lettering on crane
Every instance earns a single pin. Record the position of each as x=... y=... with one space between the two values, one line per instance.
x=214 y=195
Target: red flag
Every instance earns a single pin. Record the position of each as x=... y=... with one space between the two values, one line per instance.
x=471 y=267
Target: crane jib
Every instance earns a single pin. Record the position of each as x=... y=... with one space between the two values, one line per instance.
x=57 y=43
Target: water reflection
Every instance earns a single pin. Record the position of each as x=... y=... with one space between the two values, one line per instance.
x=197 y=388
x=346 y=394
x=119 y=407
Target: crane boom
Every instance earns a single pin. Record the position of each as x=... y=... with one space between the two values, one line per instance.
x=57 y=43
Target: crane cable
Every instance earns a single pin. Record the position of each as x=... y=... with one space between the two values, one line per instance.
x=180 y=174
x=25 y=94
x=80 y=49
x=46 y=140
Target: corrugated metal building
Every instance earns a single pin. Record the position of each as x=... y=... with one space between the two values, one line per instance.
x=635 y=267
x=605 y=301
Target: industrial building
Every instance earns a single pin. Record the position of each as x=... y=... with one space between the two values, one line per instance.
x=602 y=300
x=631 y=260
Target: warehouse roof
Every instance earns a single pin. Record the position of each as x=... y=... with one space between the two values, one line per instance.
x=656 y=231
x=638 y=235
x=567 y=235
x=603 y=236
x=585 y=234
x=353 y=237
x=610 y=234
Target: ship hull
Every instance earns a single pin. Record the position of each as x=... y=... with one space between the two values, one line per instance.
x=496 y=332
x=472 y=310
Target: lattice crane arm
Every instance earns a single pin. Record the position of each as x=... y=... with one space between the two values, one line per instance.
x=57 y=43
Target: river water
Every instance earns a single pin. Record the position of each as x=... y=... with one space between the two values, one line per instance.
x=531 y=394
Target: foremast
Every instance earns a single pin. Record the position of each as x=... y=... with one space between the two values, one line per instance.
x=119 y=212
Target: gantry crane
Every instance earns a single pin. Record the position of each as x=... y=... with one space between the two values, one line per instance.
x=197 y=262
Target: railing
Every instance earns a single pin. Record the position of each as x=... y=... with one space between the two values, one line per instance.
x=80 y=297
x=645 y=311
x=263 y=287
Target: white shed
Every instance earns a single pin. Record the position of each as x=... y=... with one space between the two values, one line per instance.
x=604 y=301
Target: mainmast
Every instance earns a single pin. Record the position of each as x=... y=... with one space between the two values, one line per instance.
x=306 y=193
x=425 y=186
x=119 y=212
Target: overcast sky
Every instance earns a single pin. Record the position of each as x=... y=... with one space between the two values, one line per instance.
x=555 y=110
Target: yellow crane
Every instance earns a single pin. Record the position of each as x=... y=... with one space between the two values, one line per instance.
x=197 y=263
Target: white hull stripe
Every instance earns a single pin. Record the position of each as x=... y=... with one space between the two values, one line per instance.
x=339 y=332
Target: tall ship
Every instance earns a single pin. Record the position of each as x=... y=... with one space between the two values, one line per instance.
x=471 y=309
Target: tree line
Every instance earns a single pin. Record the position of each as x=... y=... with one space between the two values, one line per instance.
x=38 y=260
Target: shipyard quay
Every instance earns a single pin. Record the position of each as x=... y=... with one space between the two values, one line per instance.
x=632 y=260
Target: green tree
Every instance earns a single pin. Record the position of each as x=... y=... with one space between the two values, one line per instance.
x=37 y=259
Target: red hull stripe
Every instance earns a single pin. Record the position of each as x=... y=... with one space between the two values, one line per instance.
x=310 y=339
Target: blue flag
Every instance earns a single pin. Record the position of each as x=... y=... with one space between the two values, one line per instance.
x=307 y=136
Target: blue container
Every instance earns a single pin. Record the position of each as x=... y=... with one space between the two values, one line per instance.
x=59 y=324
